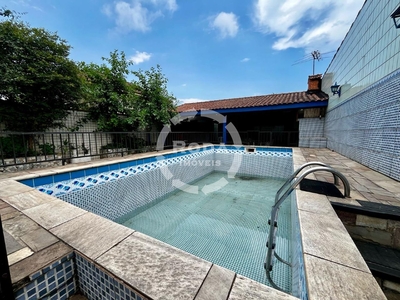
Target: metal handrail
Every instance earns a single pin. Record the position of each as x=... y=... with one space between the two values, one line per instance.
x=313 y=163
x=278 y=201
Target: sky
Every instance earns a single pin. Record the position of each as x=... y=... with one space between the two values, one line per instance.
x=208 y=50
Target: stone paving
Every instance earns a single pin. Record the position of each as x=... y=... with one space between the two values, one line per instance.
x=32 y=245
x=366 y=184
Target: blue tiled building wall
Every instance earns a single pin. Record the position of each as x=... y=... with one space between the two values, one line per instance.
x=311 y=133
x=366 y=127
x=368 y=53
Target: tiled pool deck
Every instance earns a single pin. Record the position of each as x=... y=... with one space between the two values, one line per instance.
x=41 y=229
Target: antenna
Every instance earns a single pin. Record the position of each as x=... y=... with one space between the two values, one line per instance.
x=314 y=55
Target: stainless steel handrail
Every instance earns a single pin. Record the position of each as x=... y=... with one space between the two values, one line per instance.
x=278 y=201
x=313 y=163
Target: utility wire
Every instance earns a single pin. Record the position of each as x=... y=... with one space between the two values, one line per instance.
x=314 y=55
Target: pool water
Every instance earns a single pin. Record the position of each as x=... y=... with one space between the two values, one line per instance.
x=227 y=227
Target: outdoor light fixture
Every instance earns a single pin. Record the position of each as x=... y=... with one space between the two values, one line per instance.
x=396 y=17
x=335 y=89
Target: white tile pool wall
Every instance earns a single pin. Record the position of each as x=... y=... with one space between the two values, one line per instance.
x=151 y=182
x=118 y=197
x=260 y=163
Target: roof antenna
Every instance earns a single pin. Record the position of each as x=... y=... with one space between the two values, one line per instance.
x=316 y=55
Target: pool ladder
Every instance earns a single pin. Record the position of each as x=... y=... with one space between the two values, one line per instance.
x=291 y=183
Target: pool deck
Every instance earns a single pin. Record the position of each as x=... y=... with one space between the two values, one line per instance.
x=40 y=229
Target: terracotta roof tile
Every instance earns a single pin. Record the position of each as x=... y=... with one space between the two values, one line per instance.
x=256 y=101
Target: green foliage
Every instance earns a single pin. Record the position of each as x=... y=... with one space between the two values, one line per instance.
x=156 y=106
x=40 y=86
x=109 y=98
x=118 y=105
x=14 y=145
x=126 y=141
x=46 y=149
x=38 y=83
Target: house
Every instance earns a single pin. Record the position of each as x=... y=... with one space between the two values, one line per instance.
x=275 y=119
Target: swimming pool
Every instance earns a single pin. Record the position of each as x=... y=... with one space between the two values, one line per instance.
x=114 y=190
x=227 y=227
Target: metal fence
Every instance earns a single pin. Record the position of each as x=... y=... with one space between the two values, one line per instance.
x=21 y=148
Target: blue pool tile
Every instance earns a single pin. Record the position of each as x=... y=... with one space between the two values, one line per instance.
x=55 y=264
x=21 y=297
x=103 y=169
x=77 y=174
x=62 y=177
x=42 y=293
x=41 y=279
x=31 y=292
x=146 y=160
x=35 y=275
x=28 y=182
x=113 y=167
x=43 y=180
x=19 y=292
x=91 y=171
x=124 y=165
x=42 y=286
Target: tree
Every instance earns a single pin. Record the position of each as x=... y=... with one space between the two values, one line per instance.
x=156 y=106
x=108 y=97
x=39 y=84
x=119 y=105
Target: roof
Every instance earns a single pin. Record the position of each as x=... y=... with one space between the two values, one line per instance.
x=257 y=101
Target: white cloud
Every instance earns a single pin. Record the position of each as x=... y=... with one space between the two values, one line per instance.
x=140 y=57
x=107 y=10
x=307 y=24
x=169 y=4
x=137 y=15
x=184 y=84
x=226 y=24
x=189 y=100
x=246 y=59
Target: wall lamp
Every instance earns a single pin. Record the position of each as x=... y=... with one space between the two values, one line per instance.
x=335 y=89
x=396 y=17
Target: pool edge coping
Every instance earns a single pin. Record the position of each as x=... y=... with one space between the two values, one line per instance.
x=312 y=261
x=237 y=288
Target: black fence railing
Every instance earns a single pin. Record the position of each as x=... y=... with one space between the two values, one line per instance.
x=21 y=148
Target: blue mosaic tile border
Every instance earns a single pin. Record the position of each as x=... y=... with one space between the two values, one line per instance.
x=117 y=167
x=94 y=283
x=58 y=189
x=61 y=184
x=54 y=282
